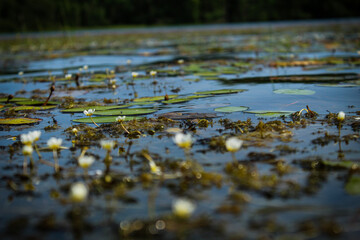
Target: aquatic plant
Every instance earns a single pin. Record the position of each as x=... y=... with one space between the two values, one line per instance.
x=183 y=208
x=55 y=144
x=78 y=192
x=27 y=152
x=86 y=161
x=183 y=140
x=89 y=113
x=120 y=120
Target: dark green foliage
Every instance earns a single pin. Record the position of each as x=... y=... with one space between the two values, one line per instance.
x=29 y=15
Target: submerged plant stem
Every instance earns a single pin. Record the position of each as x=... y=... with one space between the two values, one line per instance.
x=124 y=128
x=56 y=161
x=37 y=151
x=233 y=156
x=94 y=121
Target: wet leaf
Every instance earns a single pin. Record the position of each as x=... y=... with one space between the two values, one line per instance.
x=176 y=100
x=222 y=91
x=337 y=85
x=152 y=99
x=353 y=185
x=125 y=112
x=294 y=91
x=231 y=109
x=340 y=164
x=18 y=121
x=15 y=99
x=109 y=119
x=97 y=108
x=269 y=113
x=181 y=116
x=36 y=102
x=22 y=108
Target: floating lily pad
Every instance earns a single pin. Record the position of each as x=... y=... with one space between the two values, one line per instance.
x=15 y=99
x=125 y=112
x=18 y=121
x=231 y=109
x=22 y=108
x=267 y=113
x=152 y=99
x=339 y=164
x=294 y=91
x=222 y=91
x=176 y=100
x=182 y=116
x=97 y=108
x=109 y=119
x=337 y=85
x=353 y=185
x=207 y=74
x=36 y=102
x=198 y=96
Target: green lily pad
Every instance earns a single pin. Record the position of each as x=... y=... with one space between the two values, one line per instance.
x=22 y=108
x=230 y=109
x=108 y=119
x=97 y=108
x=18 y=121
x=340 y=164
x=198 y=96
x=125 y=112
x=207 y=74
x=152 y=99
x=176 y=100
x=15 y=99
x=36 y=102
x=353 y=185
x=294 y=91
x=269 y=113
x=222 y=91
x=337 y=85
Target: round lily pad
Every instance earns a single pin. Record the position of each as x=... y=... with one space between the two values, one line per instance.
x=125 y=112
x=294 y=91
x=176 y=100
x=97 y=108
x=108 y=119
x=231 y=109
x=22 y=108
x=269 y=113
x=222 y=91
x=18 y=121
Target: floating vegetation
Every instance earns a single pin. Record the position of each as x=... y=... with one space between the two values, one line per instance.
x=143 y=135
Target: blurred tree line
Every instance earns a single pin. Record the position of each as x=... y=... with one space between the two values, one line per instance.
x=38 y=15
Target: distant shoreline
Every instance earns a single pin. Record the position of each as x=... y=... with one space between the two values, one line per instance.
x=181 y=28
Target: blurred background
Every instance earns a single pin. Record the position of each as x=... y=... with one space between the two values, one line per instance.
x=44 y=15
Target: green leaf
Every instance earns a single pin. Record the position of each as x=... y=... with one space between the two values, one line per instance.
x=222 y=91
x=207 y=74
x=353 y=185
x=294 y=91
x=230 y=109
x=340 y=164
x=36 y=102
x=269 y=113
x=176 y=100
x=198 y=96
x=337 y=85
x=97 y=108
x=22 y=108
x=18 y=121
x=109 y=119
x=152 y=99
x=15 y=99
x=125 y=112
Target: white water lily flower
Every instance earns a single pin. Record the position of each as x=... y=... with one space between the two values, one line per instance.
x=35 y=135
x=183 y=208
x=21 y=73
x=153 y=73
x=26 y=139
x=107 y=144
x=89 y=112
x=154 y=168
x=85 y=67
x=128 y=61
x=86 y=161
x=341 y=116
x=68 y=76
x=27 y=150
x=120 y=118
x=183 y=140
x=54 y=143
x=134 y=74
x=180 y=61
x=112 y=81
x=74 y=130
x=233 y=144
x=78 y=192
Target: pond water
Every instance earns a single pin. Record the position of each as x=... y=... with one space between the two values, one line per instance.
x=296 y=175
